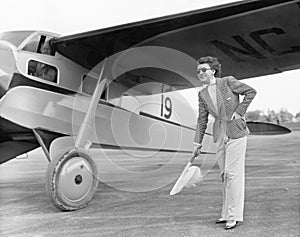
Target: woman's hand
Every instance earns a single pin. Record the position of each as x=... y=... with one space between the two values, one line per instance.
x=235 y=115
x=197 y=148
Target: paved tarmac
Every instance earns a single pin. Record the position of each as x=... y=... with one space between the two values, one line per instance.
x=272 y=205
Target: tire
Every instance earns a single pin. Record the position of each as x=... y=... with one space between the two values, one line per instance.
x=72 y=180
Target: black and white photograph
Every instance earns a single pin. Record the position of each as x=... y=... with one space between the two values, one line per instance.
x=150 y=118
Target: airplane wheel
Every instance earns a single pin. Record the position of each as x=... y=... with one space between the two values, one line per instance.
x=71 y=180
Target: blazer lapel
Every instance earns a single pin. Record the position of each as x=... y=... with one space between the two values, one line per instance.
x=220 y=99
x=206 y=97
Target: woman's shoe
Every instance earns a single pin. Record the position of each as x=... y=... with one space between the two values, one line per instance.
x=230 y=225
x=220 y=221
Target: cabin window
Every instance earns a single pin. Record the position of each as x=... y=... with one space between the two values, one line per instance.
x=89 y=84
x=42 y=70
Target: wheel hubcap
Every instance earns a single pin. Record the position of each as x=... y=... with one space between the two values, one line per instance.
x=75 y=179
x=78 y=179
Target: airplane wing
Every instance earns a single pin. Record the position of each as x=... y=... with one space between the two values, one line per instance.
x=16 y=139
x=251 y=38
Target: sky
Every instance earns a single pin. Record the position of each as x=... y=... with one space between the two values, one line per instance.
x=73 y=16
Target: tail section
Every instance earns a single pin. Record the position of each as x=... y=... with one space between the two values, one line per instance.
x=262 y=128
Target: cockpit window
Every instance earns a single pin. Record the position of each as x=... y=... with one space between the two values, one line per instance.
x=15 y=37
x=33 y=44
x=40 y=44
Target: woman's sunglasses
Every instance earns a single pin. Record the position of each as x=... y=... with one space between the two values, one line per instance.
x=203 y=69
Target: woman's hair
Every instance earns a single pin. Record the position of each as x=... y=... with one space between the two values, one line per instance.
x=212 y=62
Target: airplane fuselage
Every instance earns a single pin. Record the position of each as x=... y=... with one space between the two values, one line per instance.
x=123 y=119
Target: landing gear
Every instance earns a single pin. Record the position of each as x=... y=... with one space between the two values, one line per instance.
x=71 y=180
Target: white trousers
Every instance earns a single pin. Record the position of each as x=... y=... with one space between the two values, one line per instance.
x=231 y=161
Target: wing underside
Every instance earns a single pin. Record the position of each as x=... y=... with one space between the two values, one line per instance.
x=251 y=38
x=16 y=139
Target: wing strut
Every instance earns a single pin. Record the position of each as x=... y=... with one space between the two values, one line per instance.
x=87 y=125
x=42 y=144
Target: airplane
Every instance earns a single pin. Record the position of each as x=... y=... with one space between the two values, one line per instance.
x=119 y=87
